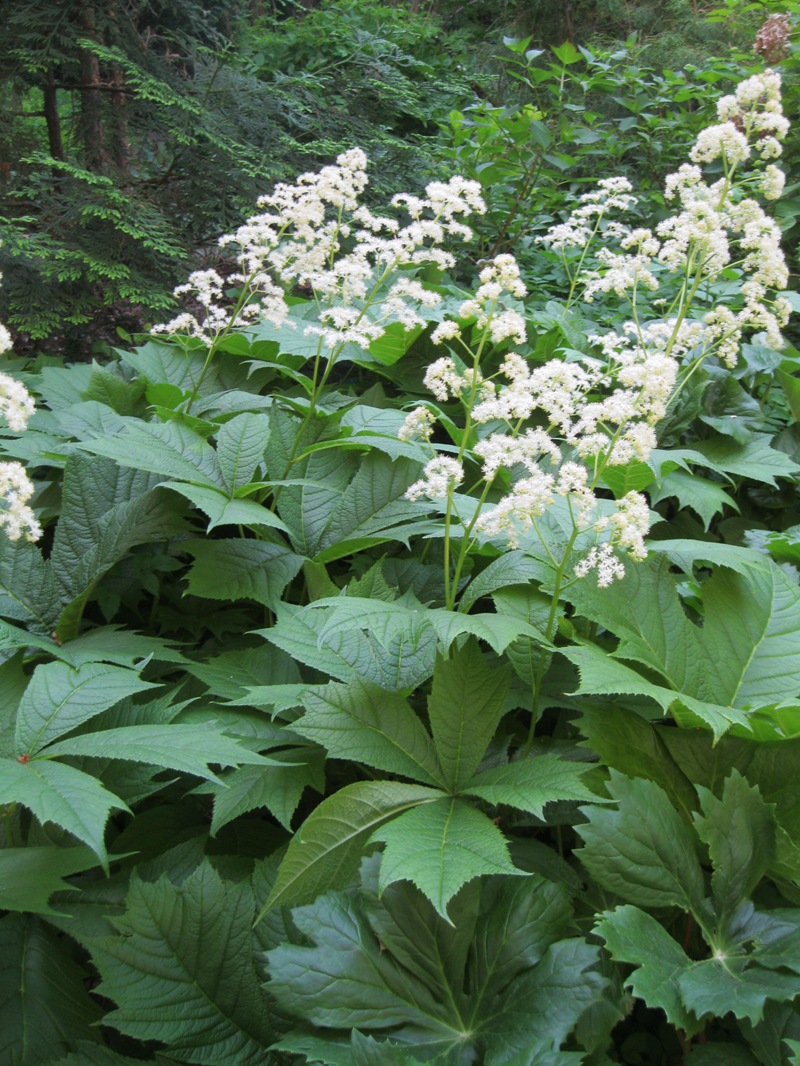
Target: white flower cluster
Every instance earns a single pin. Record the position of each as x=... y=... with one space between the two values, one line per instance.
x=604 y=412
x=16 y=488
x=299 y=238
x=610 y=194
x=498 y=278
x=440 y=475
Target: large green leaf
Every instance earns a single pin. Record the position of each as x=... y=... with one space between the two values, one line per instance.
x=441 y=846
x=529 y=784
x=745 y=656
x=739 y=830
x=465 y=705
x=60 y=698
x=643 y=850
x=45 y=1010
x=325 y=851
x=307 y=509
x=241 y=569
x=401 y=661
x=600 y=674
x=279 y=789
x=60 y=794
x=545 y=1006
x=630 y=744
x=372 y=507
x=29 y=591
x=499 y=977
x=389 y=620
x=188 y=748
x=30 y=875
x=707 y=498
x=754 y=459
x=717 y=986
x=182 y=970
x=635 y=937
x=170 y=449
x=241 y=444
x=224 y=511
x=106 y=510
x=364 y=723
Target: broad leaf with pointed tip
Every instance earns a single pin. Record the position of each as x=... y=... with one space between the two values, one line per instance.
x=466 y=703
x=530 y=784
x=635 y=937
x=44 y=1007
x=643 y=850
x=60 y=698
x=441 y=846
x=182 y=970
x=60 y=794
x=745 y=656
x=326 y=850
x=364 y=723
x=29 y=876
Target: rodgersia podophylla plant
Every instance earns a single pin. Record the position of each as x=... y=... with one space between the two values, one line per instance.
x=16 y=406
x=542 y=432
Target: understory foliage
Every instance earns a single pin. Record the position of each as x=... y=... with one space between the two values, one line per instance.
x=397 y=671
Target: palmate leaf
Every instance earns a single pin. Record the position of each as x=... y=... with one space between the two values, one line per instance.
x=441 y=846
x=45 y=1010
x=182 y=971
x=60 y=698
x=391 y=967
x=325 y=851
x=29 y=876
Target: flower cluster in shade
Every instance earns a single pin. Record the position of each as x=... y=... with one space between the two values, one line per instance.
x=316 y=237
x=16 y=406
x=551 y=429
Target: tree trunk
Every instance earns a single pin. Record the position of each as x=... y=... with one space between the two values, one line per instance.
x=90 y=124
x=120 y=142
x=51 y=117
